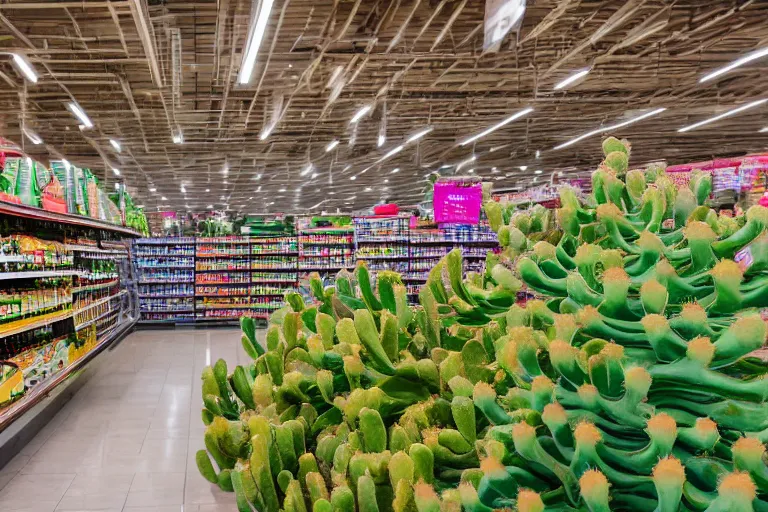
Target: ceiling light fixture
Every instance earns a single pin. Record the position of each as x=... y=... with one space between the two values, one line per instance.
x=80 y=114
x=757 y=54
x=396 y=169
x=33 y=137
x=471 y=171
x=610 y=128
x=25 y=67
x=538 y=171
x=153 y=189
x=368 y=189
x=360 y=113
x=523 y=167
x=392 y=152
x=258 y=189
x=207 y=190
x=353 y=178
x=763 y=130
x=282 y=189
x=381 y=140
x=178 y=138
x=718 y=117
x=183 y=190
x=331 y=145
x=314 y=175
x=266 y=131
x=572 y=78
x=163 y=198
x=416 y=136
x=307 y=169
x=465 y=162
x=209 y=207
x=115 y=145
x=498 y=125
x=254 y=41
x=116 y=171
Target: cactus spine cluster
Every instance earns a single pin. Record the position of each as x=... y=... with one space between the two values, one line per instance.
x=627 y=385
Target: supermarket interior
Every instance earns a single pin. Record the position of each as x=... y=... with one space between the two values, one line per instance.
x=383 y=256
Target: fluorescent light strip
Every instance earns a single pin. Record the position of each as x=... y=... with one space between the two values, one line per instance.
x=33 y=137
x=380 y=142
x=116 y=171
x=495 y=127
x=252 y=50
x=763 y=130
x=722 y=116
x=331 y=145
x=178 y=138
x=306 y=170
x=360 y=113
x=568 y=81
x=115 y=145
x=25 y=67
x=733 y=65
x=416 y=136
x=80 y=114
x=392 y=152
x=610 y=128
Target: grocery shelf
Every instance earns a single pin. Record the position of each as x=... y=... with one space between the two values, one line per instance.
x=42 y=390
x=33 y=274
x=94 y=287
x=31 y=212
x=168 y=311
x=27 y=324
x=222 y=255
x=137 y=255
x=145 y=296
x=100 y=301
x=272 y=281
x=164 y=282
x=222 y=295
x=95 y=250
x=382 y=257
x=222 y=283
x=94 y=320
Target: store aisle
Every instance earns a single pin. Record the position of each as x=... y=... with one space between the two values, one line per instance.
x=127 y=440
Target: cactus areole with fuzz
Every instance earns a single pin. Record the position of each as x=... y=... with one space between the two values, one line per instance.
x=628 y=384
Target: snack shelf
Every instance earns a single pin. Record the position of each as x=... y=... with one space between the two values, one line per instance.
x=79 y=327
x=34 y=274
x=94 y=287
x=146 y=296
x=26 y=324
x=100 y=301
x=42 y=390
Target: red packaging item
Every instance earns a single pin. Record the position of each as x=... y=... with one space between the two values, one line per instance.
x=386 y=209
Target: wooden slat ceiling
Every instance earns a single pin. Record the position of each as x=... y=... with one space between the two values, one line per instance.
x=141 y=71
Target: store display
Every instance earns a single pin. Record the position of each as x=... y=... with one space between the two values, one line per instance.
x=165 y=269
x=61 y=294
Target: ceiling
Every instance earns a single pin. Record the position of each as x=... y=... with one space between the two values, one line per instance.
x=146 y=72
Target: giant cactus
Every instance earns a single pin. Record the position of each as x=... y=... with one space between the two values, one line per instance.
x=627 y=385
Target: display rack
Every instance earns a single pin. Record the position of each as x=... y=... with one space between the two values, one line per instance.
x=427 y=246
x=166 y=278
x=382 y=242
x=65 y=295
x=274 y=271
x=222 y=275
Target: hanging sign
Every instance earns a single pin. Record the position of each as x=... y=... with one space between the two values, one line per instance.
x=457 y=202
x=501 y=16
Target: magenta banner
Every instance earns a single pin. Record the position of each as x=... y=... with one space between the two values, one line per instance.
x=457 y=203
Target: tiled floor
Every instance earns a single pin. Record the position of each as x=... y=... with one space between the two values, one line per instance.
x=126 y=442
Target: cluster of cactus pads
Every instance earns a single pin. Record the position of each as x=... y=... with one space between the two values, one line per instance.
x=627 y=385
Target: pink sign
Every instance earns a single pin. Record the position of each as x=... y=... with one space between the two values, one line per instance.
x=457 y=203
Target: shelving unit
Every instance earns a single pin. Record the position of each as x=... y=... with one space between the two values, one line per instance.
x=427 y=246
x=382 y=242
x=222 y=275
x=274 y=271
x=166 y=277
x=65 y=295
